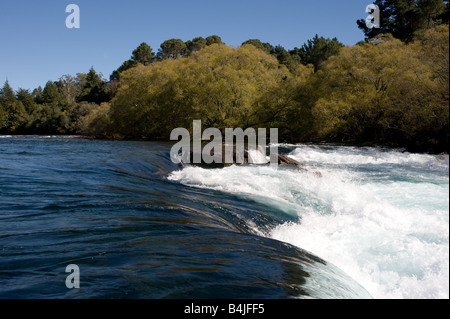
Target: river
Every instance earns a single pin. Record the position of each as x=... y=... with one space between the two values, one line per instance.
x=352 y=223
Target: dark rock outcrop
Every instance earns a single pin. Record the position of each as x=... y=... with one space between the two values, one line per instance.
x=247 y=160
x=285 y=160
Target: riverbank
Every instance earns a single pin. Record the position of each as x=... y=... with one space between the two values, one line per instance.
x=393 y=146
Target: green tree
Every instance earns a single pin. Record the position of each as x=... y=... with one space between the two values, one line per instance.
x=69 y=89
x=291 y=61
x=266 y=47
x=220 y=85
x=172 y=49
x=405 y=19
x=37 y=95
x=195 y=44
x=7 y=96
x=96 y=121
x=14 y=115
x=285 y=58
x=288 y=106
x=94 y=89
x=50 y=94
x=143 y=54
x=213 y=39
x=318 y=50
x=128 y=64
x=385 y=93
x=18 y=117
x=3 y=119
x=27 y=99
x=48 y=119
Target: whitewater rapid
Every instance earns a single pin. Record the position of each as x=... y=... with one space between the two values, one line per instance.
x=381 y=216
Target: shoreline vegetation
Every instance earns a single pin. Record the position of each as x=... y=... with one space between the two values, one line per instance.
x=390 y=90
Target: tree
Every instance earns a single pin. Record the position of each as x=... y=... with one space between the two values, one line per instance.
x=93 y=79
x=318 y=50
x=96 y=121
x=285 y=58
x=128 y=64
x=7 y=96
x=18 y=117
x=405 y=19
x=143 y=54
x=48 y=119
x=2 y=118
x=50 y=94
x=219 y=85
x=291 y=61
x=213 y=39
x=266 y=47
x=69 y=89
x=195 y=44
x=434 y=48
x=37 y=95
x=27 y=99
x=13 y=114
x=94 y=89
x=385 y=93
x=172 y=49
x=288 y=106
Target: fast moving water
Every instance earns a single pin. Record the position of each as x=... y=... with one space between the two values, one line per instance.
x=382 y=216
x=351 y=221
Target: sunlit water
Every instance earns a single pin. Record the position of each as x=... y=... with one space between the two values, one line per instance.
x=353 y=223
x=382 y=216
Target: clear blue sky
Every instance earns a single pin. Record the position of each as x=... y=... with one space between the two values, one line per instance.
x=36 y=46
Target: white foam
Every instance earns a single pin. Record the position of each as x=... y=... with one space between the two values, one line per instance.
x=255 y=181
x=257 y=156
x=358 y=156
x=390 y=235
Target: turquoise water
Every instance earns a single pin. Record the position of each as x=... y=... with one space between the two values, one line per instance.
x=355 y=223
x=381 y=216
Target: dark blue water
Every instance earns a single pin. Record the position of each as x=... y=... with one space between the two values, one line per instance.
x=108 y=207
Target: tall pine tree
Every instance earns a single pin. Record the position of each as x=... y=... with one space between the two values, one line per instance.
x=143 y=54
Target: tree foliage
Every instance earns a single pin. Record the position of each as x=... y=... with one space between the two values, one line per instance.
x=12 y=114
x=387 y=92
x=383 y=91
x=172 y=49
x=405 y=19
x=213 y=39
x=94 y=88
x=219 y=85
x=3 y=121
x=195 y=44
x=313 y=52
x=318 y=50
x=143 y=54
x=266 y=47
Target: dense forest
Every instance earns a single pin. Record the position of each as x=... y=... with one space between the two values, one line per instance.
x=391 y=89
